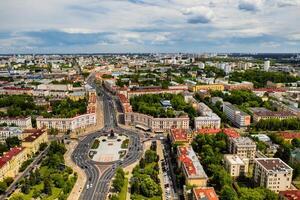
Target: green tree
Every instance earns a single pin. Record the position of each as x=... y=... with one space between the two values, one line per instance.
x=47 y=187
x=3 y=187
x=228 y=193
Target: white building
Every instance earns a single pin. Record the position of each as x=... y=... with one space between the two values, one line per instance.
x=267 y=65
x=23 y=122
x=235 y=165
x=65 y=124
x=272 y=173
x=236 y=116
x=208 y=121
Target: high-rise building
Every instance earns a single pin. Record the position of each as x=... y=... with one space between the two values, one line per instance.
x=267 y=65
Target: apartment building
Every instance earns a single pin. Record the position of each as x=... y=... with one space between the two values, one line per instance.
x=236 y=116
x=244 y=147
x=16 y=91
x=204 y=193
x=67 y=124
x=22 y=122
x=191 y=166
x=239 y=86
x=235 y=165
x=33 y=141
x=272 y=173
x=212 y=87
x=209 y=121
x=11 y=161
x=156 y=124
x=264 y=114
x=6 y=132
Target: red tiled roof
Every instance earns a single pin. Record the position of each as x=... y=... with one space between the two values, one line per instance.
x=7 y=156
x=207 y=193
x=288 y=135
x=179 y=135
x=187 y=161
x=35 y=134
x=122 y=98
x=290 y=194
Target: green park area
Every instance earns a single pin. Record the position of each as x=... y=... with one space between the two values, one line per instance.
x=52 y=180
x=260 y=78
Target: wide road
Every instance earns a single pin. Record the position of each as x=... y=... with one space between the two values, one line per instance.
x=97 y=185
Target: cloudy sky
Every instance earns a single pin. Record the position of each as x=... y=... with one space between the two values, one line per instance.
x=87 y=26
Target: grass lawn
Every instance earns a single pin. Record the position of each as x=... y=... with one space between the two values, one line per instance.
x=55 y=193
x=123 y=193
x=95 y=144
x=125 y=144
x=140 y=197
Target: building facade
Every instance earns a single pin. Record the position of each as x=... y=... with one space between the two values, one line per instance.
x=156 y=124
x=22 y=122
x=236 y=116
x=244 y=147
x=235 y=165
x=11 y=161
x=272 y=173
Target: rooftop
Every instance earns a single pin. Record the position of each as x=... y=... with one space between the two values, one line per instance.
x=191 y=163
x=290 y=194
x=230 y=132
x=205 y=193
x=273 y=164
x=35 y=133
x=179 y=135
x=243 y=141
x=234 y=159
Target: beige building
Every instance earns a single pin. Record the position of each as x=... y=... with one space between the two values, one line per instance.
x=197 y=88
x=244 y=147
x=156 y=124
x=272 y=173
x=32 y=141
x=235 y=165
x=11 y=161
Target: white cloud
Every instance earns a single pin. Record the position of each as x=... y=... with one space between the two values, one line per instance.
x=250 y=5
x=199 y=15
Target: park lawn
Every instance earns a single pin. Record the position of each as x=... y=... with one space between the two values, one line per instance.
x=123 y=193
x=124 y=144
x=95 y=144
x=140 y=197
x=55 y=193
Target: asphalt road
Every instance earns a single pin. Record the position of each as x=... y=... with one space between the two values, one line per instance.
x=97 y=185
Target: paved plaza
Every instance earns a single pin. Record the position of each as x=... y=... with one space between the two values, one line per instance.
x=109 y=149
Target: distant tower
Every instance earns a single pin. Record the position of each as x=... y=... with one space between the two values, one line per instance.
x=267 y=65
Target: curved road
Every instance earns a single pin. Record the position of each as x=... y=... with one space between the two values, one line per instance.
x=99 y=175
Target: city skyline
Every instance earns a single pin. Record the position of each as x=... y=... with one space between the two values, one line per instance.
x=121 y=26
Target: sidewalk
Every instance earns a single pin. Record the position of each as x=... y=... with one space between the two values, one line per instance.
x=160 y=175
x=81 y=177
